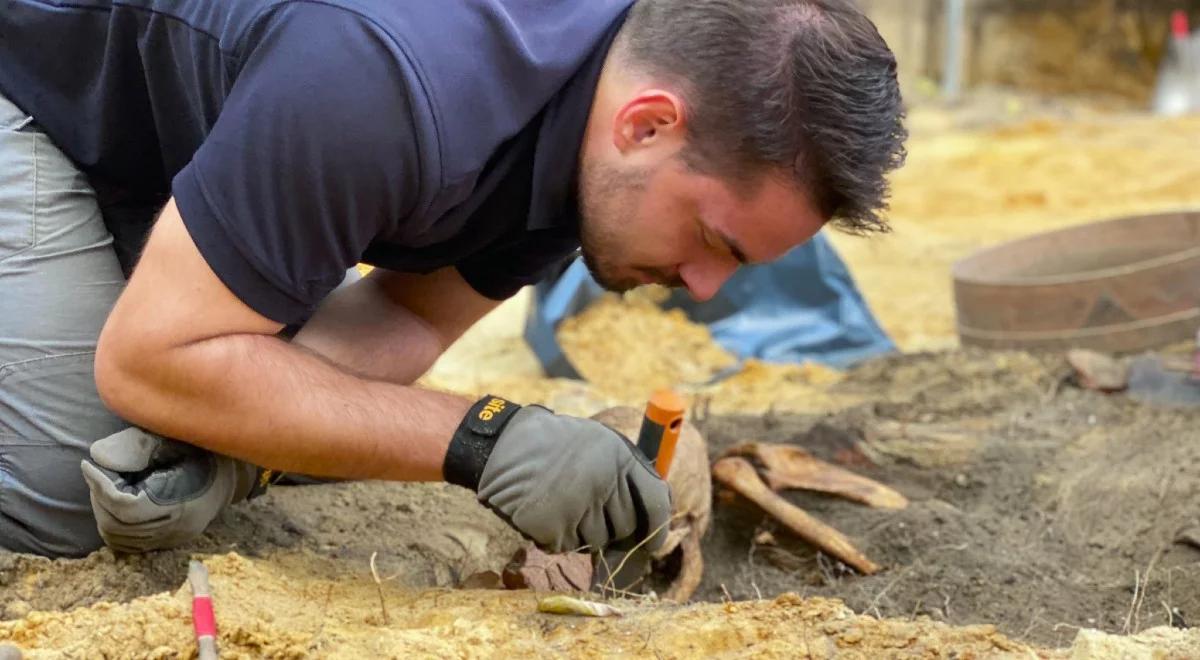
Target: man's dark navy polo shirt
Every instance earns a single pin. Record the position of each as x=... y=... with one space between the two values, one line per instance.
x=299 y=137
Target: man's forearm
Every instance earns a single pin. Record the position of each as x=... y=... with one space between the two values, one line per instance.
x=362 y=331
x=262 y=400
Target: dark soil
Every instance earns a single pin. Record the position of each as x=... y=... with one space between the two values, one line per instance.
x=1069 y=500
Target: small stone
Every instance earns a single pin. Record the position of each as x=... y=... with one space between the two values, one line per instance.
x=789 y=598
x=961 y=480
x=1097 y=371
x=9 y=652
x=531 y=568
x=851 y=636
x=764 y=538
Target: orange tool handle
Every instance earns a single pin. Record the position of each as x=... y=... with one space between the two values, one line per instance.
x=660 y=429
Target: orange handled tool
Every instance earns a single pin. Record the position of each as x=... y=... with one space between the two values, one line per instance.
x=660 y=429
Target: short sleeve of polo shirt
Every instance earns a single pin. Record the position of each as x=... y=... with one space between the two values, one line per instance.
x=313 y=155
x=502 y=270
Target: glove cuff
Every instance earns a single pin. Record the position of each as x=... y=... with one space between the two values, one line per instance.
x=474 y=440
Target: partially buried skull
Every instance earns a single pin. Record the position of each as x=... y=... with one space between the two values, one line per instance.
x=691 y=493
x=691 y=496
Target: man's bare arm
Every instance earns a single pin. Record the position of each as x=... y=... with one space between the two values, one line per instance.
x=182 y=356
x=393 y=326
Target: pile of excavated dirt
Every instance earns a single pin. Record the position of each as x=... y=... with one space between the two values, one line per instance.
x=633 y=346
x=626 y=348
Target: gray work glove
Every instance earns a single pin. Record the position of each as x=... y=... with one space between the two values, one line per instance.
x=150 y=492
x=564 y=482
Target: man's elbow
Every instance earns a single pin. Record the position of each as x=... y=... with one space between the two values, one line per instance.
x=116 y=372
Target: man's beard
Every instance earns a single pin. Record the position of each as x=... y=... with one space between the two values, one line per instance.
x=602 y=273
x=607 y=198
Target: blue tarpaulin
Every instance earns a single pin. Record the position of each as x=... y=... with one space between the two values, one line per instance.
x=803 y=307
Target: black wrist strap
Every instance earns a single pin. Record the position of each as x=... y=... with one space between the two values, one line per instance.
x=474 y=439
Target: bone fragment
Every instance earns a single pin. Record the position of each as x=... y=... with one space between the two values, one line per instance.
x=738 y=474
x=786 y=466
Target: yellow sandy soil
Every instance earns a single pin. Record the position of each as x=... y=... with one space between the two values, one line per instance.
x=265 y=611
x=268 y=610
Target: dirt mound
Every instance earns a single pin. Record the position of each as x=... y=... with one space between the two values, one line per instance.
x=1038 y=507
x=673 y=350
x=1105 y=49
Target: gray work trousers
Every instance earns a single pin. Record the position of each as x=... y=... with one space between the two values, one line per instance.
x=59 y=278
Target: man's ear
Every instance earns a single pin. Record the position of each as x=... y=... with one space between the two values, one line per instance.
x=650 y=118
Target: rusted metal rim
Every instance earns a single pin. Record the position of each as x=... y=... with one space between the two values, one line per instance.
x=1082 y=276
x=973 y=269
x=1078 y=333
x=1120 y=285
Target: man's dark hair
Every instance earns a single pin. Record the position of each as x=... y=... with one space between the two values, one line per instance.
x=807 y=86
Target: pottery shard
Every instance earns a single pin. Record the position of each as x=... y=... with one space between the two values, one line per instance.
x=533 y=569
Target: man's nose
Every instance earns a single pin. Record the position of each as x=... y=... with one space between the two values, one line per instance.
x=704 y=279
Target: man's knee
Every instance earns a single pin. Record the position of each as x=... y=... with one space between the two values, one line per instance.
x=61 y=279
x=44 y=505
x=50 y=415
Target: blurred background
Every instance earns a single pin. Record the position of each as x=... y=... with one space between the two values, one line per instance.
x=1108 y=51
x=1026 y=117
